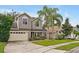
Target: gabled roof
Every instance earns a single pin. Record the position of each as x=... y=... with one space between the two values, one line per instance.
x=18 y=15
x=34 y=18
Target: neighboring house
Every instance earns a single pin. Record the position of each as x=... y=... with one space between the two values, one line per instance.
x=24 y=28
x=74 y=35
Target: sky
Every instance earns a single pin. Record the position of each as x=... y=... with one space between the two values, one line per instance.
x=70 y=11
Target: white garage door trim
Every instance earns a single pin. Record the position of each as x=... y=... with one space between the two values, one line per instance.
x=18 y=36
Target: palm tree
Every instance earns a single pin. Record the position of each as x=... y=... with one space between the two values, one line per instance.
x=44 y=14
x=54 y=16
x=50 y=16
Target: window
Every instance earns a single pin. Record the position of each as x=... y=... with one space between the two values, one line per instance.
x=37 y=23
x=24 y=21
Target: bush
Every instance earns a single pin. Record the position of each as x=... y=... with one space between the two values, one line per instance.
x=60 y=37
x=5 y=25
x=4 y=37
x=42 y=37
x=37 y=38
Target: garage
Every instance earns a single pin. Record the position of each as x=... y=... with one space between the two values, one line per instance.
x=18 y=36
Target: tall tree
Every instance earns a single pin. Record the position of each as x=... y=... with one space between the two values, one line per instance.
x=77 y=26
x=50 y=15
x=44 y=14
x=55 y=16
x=5 y=25
x=67 y=28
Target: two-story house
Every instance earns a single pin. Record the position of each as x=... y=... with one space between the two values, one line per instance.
x=24 y=28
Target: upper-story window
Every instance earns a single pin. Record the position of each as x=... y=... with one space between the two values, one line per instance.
x=37 y=23
x=24 y=21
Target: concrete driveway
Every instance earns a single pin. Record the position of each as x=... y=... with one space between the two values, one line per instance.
x=20 y=47
x=29 y=47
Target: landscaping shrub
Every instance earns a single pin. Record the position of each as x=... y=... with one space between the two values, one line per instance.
x=5 y=25
x=37 y=38
x=60 y=37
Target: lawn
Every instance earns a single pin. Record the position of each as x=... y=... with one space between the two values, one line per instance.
x=2 y=45
x=51 y=42
x=68 y=47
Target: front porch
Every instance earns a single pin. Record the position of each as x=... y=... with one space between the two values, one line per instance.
x=36 y=35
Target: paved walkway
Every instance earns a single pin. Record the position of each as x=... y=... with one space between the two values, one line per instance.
x=75 y=50
x=28 y=47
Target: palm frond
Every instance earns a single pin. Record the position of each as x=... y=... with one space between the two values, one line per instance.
x=55 y=10
x=60 y=17
x=40 y=13
x=58 y=22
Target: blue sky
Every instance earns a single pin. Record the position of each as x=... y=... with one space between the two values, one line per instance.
x=71 y=11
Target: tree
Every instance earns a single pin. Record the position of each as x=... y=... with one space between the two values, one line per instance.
x=77 y=26
x=76 y=34
x=55 y=19
x=50 y=15
x=44 y=14
x=76 y=31
x=55 y=16
x=67 y=28
x=5 y=25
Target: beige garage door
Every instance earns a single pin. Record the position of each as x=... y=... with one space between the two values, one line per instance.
x=18 y=36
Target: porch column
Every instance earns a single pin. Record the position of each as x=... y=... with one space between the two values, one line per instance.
x=42 y=33
x=36 y=33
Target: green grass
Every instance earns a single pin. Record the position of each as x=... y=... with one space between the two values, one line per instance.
x=68 y=47
x=2 y=45
x=51 y=42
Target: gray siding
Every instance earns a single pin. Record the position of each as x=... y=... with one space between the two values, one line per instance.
x=22 y=25
x=37 y=27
